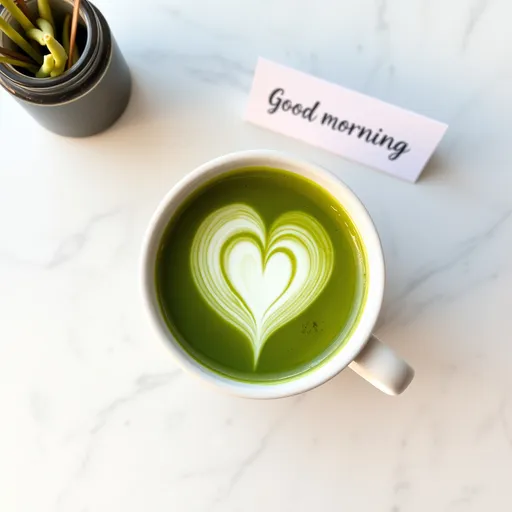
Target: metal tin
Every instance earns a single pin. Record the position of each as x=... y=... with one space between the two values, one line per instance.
x=86 y=99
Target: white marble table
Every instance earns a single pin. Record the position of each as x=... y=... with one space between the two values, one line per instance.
x=95 y=417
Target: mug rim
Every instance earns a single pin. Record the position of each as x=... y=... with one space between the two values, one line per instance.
x=335 y=362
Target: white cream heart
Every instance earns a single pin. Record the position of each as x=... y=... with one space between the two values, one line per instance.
x=258 y=283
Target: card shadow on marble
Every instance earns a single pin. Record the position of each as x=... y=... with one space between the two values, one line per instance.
x=435 y=169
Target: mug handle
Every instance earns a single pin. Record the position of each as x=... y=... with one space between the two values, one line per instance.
x=381 y=367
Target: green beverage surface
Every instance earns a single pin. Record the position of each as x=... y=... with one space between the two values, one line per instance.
x=277 y=205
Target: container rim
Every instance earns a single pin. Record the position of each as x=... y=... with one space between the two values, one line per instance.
x=88 y=18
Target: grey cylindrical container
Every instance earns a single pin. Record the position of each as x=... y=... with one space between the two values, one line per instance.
x=86 y=99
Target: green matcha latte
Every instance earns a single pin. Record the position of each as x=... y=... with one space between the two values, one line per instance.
x=261 y=275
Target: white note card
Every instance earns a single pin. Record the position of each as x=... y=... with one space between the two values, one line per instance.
x=345 y=122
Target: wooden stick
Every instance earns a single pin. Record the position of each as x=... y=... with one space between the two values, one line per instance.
x=66 y=30
x=23 y=6
x=15 y=55
x=72 y=38
x=18 y=63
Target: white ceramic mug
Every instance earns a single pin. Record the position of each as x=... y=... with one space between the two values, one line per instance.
x=362 y=352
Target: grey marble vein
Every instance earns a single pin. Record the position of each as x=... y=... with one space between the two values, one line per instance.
x=476 y=12
x=255 y=454
x=465 y=251
x=382 y=22
x=143 y=385
x=87 y=434
x=70 y=246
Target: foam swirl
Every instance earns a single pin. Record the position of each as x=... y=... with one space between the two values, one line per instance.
x=258 y=281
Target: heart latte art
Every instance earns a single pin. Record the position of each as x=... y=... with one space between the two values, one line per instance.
x=256 y=280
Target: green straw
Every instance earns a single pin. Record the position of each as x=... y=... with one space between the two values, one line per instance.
x=19 y=40
x=45 y=11
x=47 y=67
x=45 y=26
x=17 y=14
x=59 y=54
x=37 y=35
